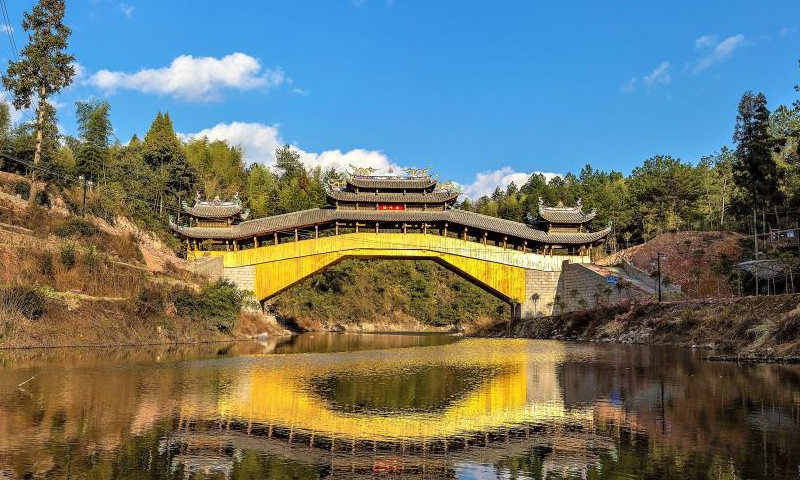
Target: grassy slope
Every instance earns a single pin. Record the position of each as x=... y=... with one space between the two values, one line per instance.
x=388 y=294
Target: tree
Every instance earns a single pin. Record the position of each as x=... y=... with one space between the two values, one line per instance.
x=755 y=170
x=220 y=167
x=664 y=191
x=95 y=129
x=163 y=151
x=44 y=68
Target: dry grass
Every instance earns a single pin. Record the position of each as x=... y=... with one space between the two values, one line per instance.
x=751 y=326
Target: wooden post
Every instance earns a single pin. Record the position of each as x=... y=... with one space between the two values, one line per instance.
x=255 y=241
x=465 y=234
x=425 y=228
x=296 y=236
x=227 y=246
x=235 y=246
x=445 y=229
x=404 y=227
x=524 y=246
x=484 y=237
x=376 y=227
x=336 y=228
x=275 y=235
x=356 y=226
x=505 y=239
x=316 y=231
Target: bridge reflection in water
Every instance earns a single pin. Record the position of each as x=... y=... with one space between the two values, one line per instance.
x=438 y=407
x=516 y=385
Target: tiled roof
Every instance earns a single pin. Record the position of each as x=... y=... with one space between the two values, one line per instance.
x=414 y=197
x=211 y=210
x=392 y=182
x=307 y=218
x=565 y=215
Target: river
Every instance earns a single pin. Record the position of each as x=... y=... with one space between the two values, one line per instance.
x=425 y=406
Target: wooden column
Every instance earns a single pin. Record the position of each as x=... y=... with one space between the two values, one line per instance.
x=465 y=234
x=235 y=245
x=404 y=227
x=316 y=231
x=425 y=228
x=356 y=227
x=505 y=240
x=485 y=234
x=227 y=246
x=445 y=229
x=376 y=227
x=336 y=228
x=255 y=242
x=524 y=246
x=275 y=236
x=296 y=236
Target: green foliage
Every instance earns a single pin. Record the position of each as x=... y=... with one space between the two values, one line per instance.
x=220 y=168
x=76 y=227
x=217 y=303
x=755 y=169
x=365 y=290
x=94 y=125
x=68 y=255
x=29 y=301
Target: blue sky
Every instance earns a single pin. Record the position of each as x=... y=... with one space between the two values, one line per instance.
x=485 y=92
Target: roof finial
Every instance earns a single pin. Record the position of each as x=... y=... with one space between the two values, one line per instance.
x=579 y=203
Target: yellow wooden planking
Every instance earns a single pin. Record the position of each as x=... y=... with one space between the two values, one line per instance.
x=500 y=270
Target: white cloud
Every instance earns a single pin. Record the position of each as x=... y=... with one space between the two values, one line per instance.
x=658 y=76
x=721 y=52
x=705 y=41
x=193 y=78
x=260 y=141
x=486 y=182
x=127 y=10
x=785 y=32
x=6 y=29
x=628 y=86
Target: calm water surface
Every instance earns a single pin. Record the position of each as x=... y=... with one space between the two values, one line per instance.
x=395 y=406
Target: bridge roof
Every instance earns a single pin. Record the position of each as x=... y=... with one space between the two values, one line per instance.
x=443 y=196
x=564 y=214
x=213 y=210
x=308 y=218
x=411 y=183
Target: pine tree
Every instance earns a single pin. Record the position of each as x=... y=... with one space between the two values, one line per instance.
x=43 y=70
x=755 y=170
x=95 y=129
x=163 y=151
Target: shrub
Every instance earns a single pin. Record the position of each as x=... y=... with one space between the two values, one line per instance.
x=217 y=303
x=21 y=188
x=46 y=266
x=152 y=300
x=30 y=301
x=69 y=257
x=76 y=226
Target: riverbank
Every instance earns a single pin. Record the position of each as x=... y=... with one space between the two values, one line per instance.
x=742 y=329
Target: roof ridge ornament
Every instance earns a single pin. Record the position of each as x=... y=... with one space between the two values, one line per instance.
x=362 y=171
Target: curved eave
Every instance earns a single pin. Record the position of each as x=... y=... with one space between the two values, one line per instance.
x=569 y=217
x=308 y=218
x=213 y=211
x=385 y=197
x=397 y=184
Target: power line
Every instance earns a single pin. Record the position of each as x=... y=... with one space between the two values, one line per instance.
x=9 y=30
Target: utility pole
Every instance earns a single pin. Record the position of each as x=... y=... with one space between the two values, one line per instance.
x=85 y=183
x=658 y=263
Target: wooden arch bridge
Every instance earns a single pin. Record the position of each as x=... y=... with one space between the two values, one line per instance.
x=397 y=217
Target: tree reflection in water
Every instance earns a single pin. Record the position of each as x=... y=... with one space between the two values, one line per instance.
x=408 y=408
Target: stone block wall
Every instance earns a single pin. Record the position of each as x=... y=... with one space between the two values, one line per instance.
x=243 y=277
x=575 y=287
